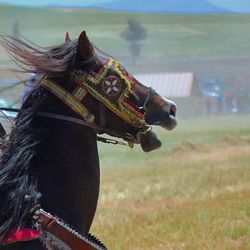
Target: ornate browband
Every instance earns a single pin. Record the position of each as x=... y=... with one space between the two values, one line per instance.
x=111 y=86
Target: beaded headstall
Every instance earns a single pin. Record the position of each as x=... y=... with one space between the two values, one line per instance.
x=110 y=85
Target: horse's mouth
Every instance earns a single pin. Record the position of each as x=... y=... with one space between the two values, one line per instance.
x=149 y=141
x=170 y=122
x=173 y=120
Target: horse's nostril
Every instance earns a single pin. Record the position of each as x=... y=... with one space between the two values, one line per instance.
x=173 y=110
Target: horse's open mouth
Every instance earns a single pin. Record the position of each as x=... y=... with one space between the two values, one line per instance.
x=170 y=125
x=171 y=122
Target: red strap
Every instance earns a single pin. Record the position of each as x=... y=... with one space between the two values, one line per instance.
x=23 y=234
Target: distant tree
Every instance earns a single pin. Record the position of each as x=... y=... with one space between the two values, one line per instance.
x=133 y=34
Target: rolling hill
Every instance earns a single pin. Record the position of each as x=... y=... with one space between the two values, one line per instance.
x=239 y=6
x=171 y=6
x=167 y=6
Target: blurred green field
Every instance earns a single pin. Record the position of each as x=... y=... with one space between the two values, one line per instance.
x=193 y=193
x=170 y=36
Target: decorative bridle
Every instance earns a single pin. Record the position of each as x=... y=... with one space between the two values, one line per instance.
x=111 y=90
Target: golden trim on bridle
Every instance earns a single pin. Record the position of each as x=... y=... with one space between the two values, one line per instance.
x=118 y=106
x=89 y=84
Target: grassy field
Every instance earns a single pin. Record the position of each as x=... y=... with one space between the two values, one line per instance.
x=169 y=36
x=193 y=193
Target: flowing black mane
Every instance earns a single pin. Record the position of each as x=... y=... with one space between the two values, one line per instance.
x=18 y=191
x=52 y=61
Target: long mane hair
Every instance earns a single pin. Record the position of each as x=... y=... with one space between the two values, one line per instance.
x=52 y=61
x=18 y=191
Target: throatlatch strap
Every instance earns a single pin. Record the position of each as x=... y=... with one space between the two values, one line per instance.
x=68 y=99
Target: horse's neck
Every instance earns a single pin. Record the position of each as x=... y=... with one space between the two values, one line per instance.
x=74 y=143
x=68 y=173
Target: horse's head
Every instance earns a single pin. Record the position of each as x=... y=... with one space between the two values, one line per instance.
x=97 y=88
x=127 y=107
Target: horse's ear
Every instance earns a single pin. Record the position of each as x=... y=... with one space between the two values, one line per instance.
x=85 y=48
x=67 y=39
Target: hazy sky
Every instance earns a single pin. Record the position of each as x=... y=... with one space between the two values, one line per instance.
x=235 y=5
x=54 y=2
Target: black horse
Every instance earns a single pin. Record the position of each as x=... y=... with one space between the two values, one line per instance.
x=51 y=157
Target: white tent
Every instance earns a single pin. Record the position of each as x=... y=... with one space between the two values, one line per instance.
x=169 y=84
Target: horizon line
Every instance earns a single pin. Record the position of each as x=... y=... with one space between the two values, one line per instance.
x=226 y=11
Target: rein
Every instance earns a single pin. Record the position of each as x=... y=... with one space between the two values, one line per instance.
x=99 y=129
